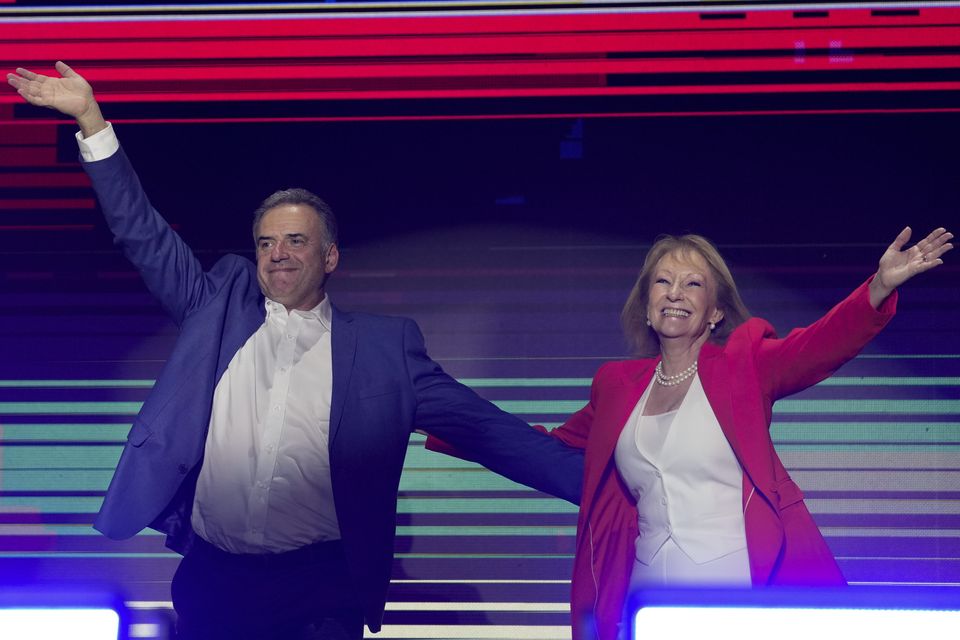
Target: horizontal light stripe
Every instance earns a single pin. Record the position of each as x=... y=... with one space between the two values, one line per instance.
x=859 y=457
x=561 y=607
x=473 y=632
x=41 y=504
x=76 y=384
x=855 y=449
x=38 y=528
x=56 y=457
x=869 y=405
x=478 y=581
x=486 y=531
x=91 y=555
x=485 y=556
x=70 y=408
x=908 y=584
x=56 y=480
x=835 y=381
x=899 y=558
x=869 y=481
x=908 y=356
x=474 y=479
x=895 y=381
x=904 y=432
x=832 y=431
x=145 y=383
x=148 y=604
x=60 y=477
x=484 y=505
x=65 y=432
x=525 y=382
x=918 y=407
x=879 y=532
x=34 y=528
x=864 y=506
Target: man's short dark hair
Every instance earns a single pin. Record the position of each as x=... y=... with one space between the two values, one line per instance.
x=298 y=196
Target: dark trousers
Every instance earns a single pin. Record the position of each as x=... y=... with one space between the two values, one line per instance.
x=303 y=594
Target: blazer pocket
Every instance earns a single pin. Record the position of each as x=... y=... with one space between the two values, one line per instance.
x=377 y=390
x=139 y=433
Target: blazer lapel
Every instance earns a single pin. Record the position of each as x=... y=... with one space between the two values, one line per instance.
x=715 y=378
x=621 y=398
x=343 y=347
x=237 y=329
x=718 y=383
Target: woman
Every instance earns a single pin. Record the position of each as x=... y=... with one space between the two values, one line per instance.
x=682 y=485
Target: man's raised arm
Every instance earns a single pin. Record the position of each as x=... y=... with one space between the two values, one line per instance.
x=169 y=268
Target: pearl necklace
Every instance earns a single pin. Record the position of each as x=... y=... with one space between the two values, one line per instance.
x=672 y=381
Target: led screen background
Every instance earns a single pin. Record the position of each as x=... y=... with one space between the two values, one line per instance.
x=498 y=175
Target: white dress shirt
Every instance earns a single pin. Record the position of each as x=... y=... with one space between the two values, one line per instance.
x=265 y=481
x=264 y=486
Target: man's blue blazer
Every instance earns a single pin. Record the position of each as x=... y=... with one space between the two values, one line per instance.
x=384 y=386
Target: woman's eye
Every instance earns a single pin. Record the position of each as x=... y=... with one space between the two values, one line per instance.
x=695 y=283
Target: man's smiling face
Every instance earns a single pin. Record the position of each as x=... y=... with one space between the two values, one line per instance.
x=294 y=256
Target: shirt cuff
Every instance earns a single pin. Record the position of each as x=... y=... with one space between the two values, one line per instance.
x=99 y=146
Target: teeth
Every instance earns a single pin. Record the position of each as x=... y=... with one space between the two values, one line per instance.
x=677 y=313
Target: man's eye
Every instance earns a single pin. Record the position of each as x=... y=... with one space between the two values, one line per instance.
x=264 y=246
x=296 y=242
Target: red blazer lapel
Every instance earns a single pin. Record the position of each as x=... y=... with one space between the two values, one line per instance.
x=620 y=397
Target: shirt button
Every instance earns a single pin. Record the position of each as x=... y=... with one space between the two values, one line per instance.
x=289 y=336
x=269 y=448
x=659 y=475
x=663 y=501
x=276 y=408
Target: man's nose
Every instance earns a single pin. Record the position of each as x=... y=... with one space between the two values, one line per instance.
x=279 y=252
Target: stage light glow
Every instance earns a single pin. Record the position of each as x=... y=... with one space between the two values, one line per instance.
x=878 y=613
x=755 y=623
x=60 y=622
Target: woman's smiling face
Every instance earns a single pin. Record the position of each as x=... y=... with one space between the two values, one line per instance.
x=682 y=297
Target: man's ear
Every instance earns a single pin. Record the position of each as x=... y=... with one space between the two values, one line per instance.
x=332 y=259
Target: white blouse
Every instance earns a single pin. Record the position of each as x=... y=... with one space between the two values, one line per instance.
x=687 y=482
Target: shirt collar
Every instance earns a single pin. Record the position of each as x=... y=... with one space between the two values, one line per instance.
x=322 y=312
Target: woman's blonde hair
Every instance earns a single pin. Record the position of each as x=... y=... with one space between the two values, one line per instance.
x=641 y=337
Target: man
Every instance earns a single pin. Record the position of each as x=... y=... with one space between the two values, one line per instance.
x=271 y=446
